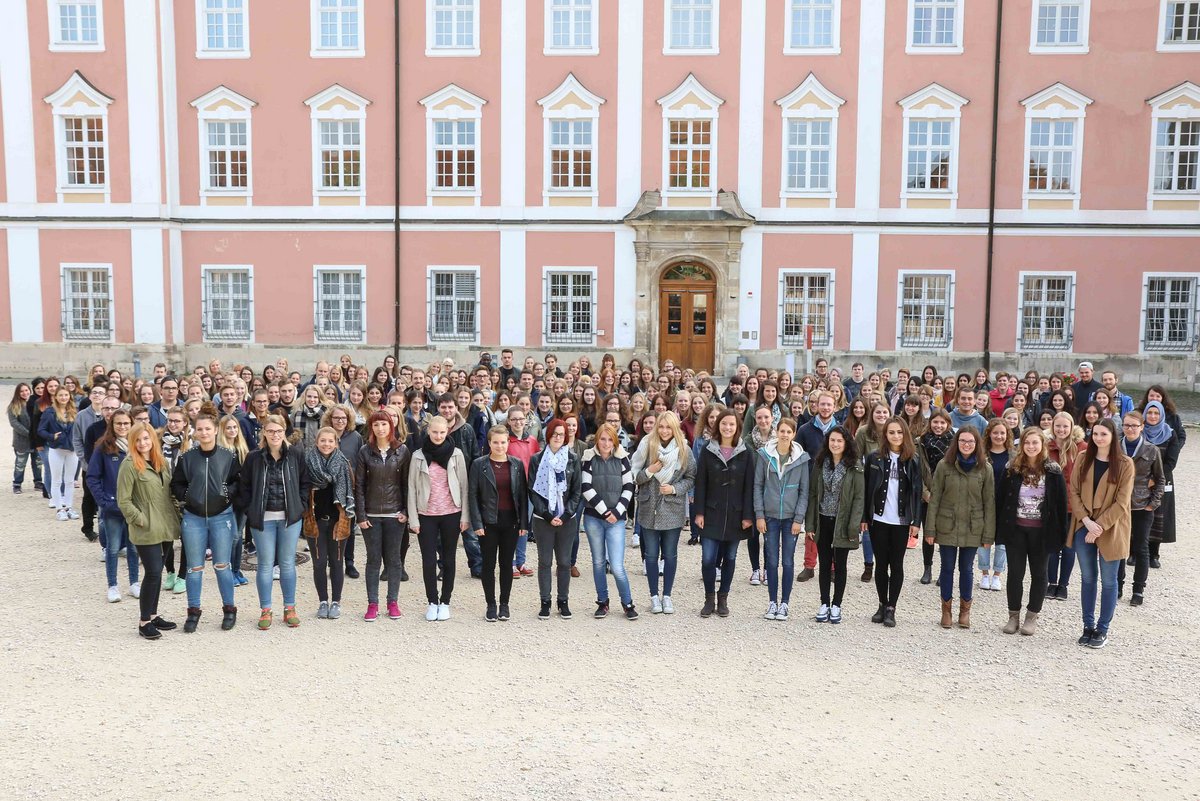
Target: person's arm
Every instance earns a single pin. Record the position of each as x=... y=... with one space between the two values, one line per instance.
x=700 y=484
x=414 y=521
x=77 y=432
x=306 y=482
x=475 y=482
x=521 y=490
x=935 y=502
x=801 y=514
x=687 y=480
x=749 y=481
x=916 y=494
x=590 y=496
x=95 y=477
x=463 y=489
x=1158 y=481
x=125 y=482
x=179 y=481
x=1059 y=486
x=622 y=507
x=574 y=492
x=759 y=477
x=1074 y=496
x=1121 y=506
x=989 y=505
x=241 y=501
x=233 y=478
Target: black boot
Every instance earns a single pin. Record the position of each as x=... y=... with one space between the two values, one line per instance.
x=878 y=616
x=710 y=604
x=889 y=617
x=193 y=620
x=722 y=604
x=163 y=625
x=230 y=619
x=544 y=613
x=927 y=576
x=351 y=570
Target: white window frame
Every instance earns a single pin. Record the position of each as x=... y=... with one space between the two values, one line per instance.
x=590 y=112
x=809 y=112
x=67 y=330
x=1168 y=107
x=1068 y=312
x=434 y=50
x=691 y=113
x=832 y=49
x=317 y=50
x=1078 y=48
x=432 y=337
x=711 y=50
x=918 y=106
x=468 y=106
x=1194 y=311
x=786 y=342
x=950 y=309
x=547 y=339
x=202 y=48
x=550 y=49
x=206 y=273
x=339 y=112
x=57 y=45
x=242 y=113
x=77 y=85
x=1171 y=47
x=1056 y=112
x=935 y=49
x=318 y=271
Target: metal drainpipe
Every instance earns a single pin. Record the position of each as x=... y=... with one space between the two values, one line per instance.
x=991 y=230
x=396 y=188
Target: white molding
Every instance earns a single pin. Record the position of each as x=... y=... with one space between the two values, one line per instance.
x=513 y=287
x=63 y=268
x=468 y=107
x=923 y=50
x=830 y=276
x=25 y=283
x=713 y=50
x=513 y=110
x=1160 y=44
x=57 y=46
x=864 y=290
x=549 y=49
x=77 y=84
x=868 y=151
x=202 y=50
x=691 y=112
x=630 y=62
x=361 y=269
x=1164 y=106
x=834 y=49
x=1147 y=275
x=624 y=333
x=16 y=109
x=340 y=112
x=574 y=269
x=950 y=308
x=203 y=118
x=149 y=286
x=144 y=103
x=315 y=48
x=915 y=109
x=1072 y=276
x=1081 y=48
x=1054 y=113
x=449 y=342
x=433 y=51
x=749 y=304
x=570 y=113
x=206 y=270
x=751 y=119
x=809 y=112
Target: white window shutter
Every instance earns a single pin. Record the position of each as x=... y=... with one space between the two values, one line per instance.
x=316 y=304
x=430 y=305
x=950 y=311
x=546 y=304
x=829 y=310
x=1145 y=308
x=65 y=303
x=1070 y=331
x=595 y=305
x=205 y=278
x=478 y=304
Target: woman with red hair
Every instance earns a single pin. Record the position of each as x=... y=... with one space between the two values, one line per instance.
x=381 y=481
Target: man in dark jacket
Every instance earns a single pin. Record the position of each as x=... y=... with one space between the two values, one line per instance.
x=1086 y=386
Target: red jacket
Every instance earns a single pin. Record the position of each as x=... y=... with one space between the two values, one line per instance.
x=523 y=449
x=999 y=402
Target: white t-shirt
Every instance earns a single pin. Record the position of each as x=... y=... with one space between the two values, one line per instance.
x=891 y=504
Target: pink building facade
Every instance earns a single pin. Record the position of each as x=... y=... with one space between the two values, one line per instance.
x=696 y=179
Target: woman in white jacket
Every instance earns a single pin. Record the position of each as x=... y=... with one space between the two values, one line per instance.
x=438 y=511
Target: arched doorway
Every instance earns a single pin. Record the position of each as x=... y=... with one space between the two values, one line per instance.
x=687 y=316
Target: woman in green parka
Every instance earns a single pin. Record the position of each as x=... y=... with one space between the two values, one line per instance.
x=144 y=497
x=961 y=517
x=835 y=515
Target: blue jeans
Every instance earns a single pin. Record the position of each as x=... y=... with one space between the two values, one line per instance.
x=235 y=559
x=964 y=557
x=607 y=543
x=1059 y=564
x=523 y=541
x=275 y=541
x=994 y=559
x=714 y=553
x=666 y=542
x=470 y=541
x=22 y=458
x=779 y=535
x=116 y=530
x=1091 y=565
x=216 y=534
x=868 y=550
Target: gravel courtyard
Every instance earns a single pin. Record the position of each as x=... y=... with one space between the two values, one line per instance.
x=663 y=707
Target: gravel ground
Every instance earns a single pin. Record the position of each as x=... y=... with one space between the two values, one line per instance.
x=663 y=707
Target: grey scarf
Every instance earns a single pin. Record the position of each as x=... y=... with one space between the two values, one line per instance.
x=332 y=469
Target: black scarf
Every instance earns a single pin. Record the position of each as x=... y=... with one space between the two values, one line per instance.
x=438 y=454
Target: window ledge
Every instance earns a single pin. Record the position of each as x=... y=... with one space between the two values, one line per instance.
x=933 y=50
x=571 y=51
x=218 y=54
x=691 y=51
x=1059 y=50
x=451 y=52
x=337 y=53
x=812 y=51
x=1178 y=47
x=77 y=47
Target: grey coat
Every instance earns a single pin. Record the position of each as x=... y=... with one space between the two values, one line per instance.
x=663 y=512
x=20 y=429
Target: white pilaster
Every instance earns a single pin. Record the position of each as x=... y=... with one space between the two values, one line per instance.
x=624 y=289
x=864 y=281
x=751 y=89
x=512 y=105
x=149 y=311
x=514 y=284
x=25 y=283
x=16 y=103
x=629 y=104
x=864 y=290
x=141 y=75
x=170 y=120
x=750 y=290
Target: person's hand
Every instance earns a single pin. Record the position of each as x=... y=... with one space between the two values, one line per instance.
x=863 y=528
x=610 y=518
x=364 y=523
x=666 y=489
x=462 y=526
x=700 y=522
x=522 y=533
x=479 y=532
x=1091 y=538
x=654 y=467
x=797 y=529
x=401 y=518
x=556 y=521
x=929 y=540
x=745 y=525
x=812 y=535
x=913 y=531
x=416 y=529
x=761 y=525
x=987 y=546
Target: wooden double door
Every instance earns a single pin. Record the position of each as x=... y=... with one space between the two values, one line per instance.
x=687 y=317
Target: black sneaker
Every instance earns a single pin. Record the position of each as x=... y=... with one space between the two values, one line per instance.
x=503 y=613
x=1098 y=640
x=1088 y=634
x=90 y=535
x=490 y=615
x=17 y=490
x=601 y=609
x=403 y=573
x=631 y=613
x=1062 y=592
x=889 y=617
x=149 y=631
x=351 y=572
x=1136 y=600
x=1154 y=563
x=878 y=616
x=1052 y=591
x=163 y=625
x=1120 y=591
x=564 y=610
x=544 y=614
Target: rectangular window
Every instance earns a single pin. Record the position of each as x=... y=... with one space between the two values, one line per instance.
x=224 y=25
x=454 y=154
x=85 y=152
x=570 y=25
x=227 y=303
x=809 y=149
x=453 y=306
x=811 y=24
x=689 y=154
x=925 y=310
x=570 y=307
x=454 y=24
x=1046 y=311
x=1182 y=23
x=1170 y=313
x=338 y=21
x=77 y=22
x=87 y=303
x=341 y=154
x=930 y=150
x=1060 y=23
x=339 y=305
x=806 y=299
x=228 y=156
x=570 y=154
x=691 y=25
x=1176 y=155
x=935 y=23
x=1051 y=155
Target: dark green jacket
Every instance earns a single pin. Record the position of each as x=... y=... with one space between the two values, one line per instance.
x=848 y=523
x=962 y=506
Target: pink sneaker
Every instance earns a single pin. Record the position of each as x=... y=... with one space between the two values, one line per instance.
x=394 y=610
x=372 y=613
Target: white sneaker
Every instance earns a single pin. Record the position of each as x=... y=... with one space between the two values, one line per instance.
x=823 y=614
x=103 y=554
x=50 y=503
x=835 y=614
x=637 y=541
x=656 y=605
x=782 y=612
x=114 y=595
x=275 y=573
x=71 y=513
x=62 y=514
x=431 y=614
x=995 y=582
x=772 y=609
x=443 y=612
x=985 y=583
x=668 y=608
x=756 y=579
x=135 y=589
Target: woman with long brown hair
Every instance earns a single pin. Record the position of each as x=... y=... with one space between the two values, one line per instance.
x=54 y=429
x=892 y=511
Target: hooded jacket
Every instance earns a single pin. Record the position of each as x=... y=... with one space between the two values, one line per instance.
x=781 y=493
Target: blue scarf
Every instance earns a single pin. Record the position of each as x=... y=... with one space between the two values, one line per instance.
x=967 y=464
x=1161 y=433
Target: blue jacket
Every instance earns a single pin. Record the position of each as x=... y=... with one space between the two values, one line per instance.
x=102 y=480
x=55 y=435
x=812 y=439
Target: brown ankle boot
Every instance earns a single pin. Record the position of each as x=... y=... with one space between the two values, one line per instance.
x=964 y=614
x=722 y=604
x=710 y=604
x=1030 y=625
x=947 y=614
x=1014 y=621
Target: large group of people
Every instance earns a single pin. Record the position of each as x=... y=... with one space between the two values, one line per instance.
x=1010 y=475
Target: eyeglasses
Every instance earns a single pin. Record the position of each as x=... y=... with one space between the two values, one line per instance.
x=1132 y=425
x=273 y=432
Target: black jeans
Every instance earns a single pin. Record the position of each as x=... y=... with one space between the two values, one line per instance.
x=383 y=546
x=830 y=557
x=499 y=541
x=328 y=553
x=168 y=557
x=754 y=546
x=151 y=557
x=440 y=531
x=348 y=551
x=1139 y=549
x=1026 y=545
x=890 y=544
x=554 y=547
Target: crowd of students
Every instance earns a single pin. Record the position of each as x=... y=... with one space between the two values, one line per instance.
x=1005 y=474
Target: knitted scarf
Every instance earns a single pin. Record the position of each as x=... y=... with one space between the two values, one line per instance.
x=438 y=454
x=334 y=470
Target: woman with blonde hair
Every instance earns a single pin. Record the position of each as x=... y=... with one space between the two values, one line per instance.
x=329 y=512
x=664 y=473
x=1064 y=442
x=231 y=436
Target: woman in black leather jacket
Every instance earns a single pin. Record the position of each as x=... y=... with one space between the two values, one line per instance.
x=381 y=482
x=893 y=512
x=497 y=518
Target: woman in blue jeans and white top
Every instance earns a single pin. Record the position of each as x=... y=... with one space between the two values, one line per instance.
x=780 y=503
x=607 y=483
x=103 y=470
x=724 y=489
x=998 y=441
x=664 y=472
x=205 y=482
